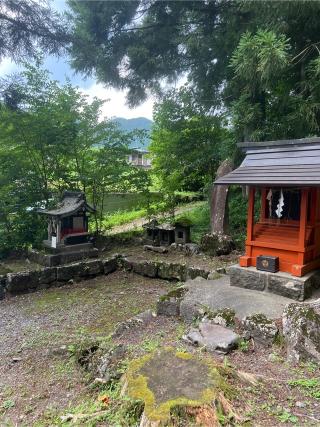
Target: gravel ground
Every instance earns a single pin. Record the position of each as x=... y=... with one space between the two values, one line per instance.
x=39 y=381
x=37 y=375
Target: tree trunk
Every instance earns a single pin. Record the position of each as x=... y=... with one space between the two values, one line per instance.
x=218 y=201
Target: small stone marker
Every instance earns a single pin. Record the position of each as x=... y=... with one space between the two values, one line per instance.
x=213 y=337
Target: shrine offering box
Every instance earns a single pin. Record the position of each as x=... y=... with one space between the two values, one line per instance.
x=268 y=263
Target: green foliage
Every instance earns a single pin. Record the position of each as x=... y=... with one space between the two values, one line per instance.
x=274 y=100
x=7 y=404
x=187 y=144
x=244 y=346
x=311 y=386
x=286 y=417
x=52 y=139
x=199 y=217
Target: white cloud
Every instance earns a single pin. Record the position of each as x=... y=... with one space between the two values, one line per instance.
x=7 y=67
x=116 y=103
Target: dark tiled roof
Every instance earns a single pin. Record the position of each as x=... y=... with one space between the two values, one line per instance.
x=278 y=163
x=72 y=202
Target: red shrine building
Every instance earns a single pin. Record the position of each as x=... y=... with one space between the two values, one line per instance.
x=283 y=221
x=68 y=223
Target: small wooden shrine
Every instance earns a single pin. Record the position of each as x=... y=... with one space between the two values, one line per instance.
x=284 y=203
x=68 y=222
x=165 y=234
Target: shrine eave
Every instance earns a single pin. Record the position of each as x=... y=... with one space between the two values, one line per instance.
x=72 y=203
x=289 y=163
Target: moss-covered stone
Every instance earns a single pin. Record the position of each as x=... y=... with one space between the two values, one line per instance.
x=261 y=328
x=169 y=304
x=223 y=316
x=301 y=328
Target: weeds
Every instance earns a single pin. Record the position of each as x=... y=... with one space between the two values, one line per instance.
x=310 y=386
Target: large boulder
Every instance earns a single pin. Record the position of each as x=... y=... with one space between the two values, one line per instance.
x=216 y=244
x=301 y=329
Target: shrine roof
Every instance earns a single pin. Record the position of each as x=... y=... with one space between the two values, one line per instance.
x=72 y=202
x=294 y=162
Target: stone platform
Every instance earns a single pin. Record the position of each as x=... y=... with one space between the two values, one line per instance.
x=61 y=258
x=298 y=288
x=218 y=294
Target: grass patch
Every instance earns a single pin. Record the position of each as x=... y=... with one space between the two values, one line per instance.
x=309 y=386
x=123 y=217
x=199 y=216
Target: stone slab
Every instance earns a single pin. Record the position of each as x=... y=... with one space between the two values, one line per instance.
x=297 y=288
x=218 y=294
x=213 y=337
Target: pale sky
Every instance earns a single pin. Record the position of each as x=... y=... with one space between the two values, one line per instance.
x=115 y=107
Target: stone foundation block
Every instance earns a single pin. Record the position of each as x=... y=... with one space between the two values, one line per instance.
x=110 y=265
x=244 y=278
x=284 y=284
x=22 y=281
x=68 y=272
x=91 y=268
x=294 y=289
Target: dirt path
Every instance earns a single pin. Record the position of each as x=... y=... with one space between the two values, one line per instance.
x=138 y=223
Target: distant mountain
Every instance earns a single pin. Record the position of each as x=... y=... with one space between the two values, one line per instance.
x=136 y=123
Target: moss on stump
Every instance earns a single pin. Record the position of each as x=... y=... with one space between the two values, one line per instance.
x=166 y=379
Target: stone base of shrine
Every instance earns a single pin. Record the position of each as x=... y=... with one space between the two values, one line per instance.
x=297 y=288
x=63 y=256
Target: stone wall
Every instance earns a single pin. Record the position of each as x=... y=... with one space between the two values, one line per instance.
x=26 y=281
x=163 y=270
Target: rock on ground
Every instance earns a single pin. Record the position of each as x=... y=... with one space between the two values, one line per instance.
x=216 y=244
x=261 y=328
x=213 y=337
x=301 y=329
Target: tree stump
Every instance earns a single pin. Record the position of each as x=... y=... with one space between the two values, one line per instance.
x=166 y=379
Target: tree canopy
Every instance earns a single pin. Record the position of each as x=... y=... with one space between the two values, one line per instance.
x=51 y=139
x=187 y=143
x=30 y=27
x=245 y=57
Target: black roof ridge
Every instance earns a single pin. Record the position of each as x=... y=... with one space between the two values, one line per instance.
x=279 y=142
